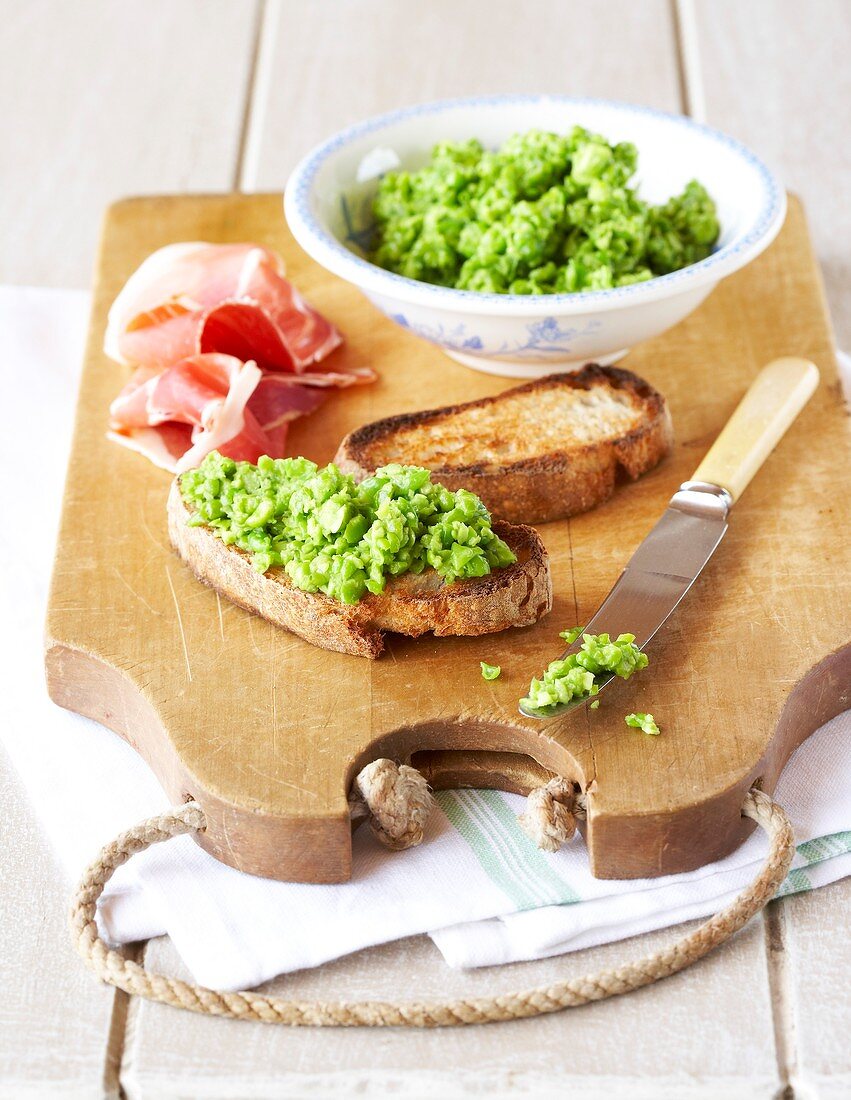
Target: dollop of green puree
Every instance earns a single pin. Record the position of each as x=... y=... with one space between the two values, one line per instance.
x=332 y=535
x=544 y=214
x=577 y=676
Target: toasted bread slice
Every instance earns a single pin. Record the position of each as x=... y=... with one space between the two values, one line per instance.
x=412 y=604
x=539 y=452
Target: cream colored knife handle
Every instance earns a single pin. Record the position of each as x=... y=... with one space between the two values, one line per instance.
x=776 y=396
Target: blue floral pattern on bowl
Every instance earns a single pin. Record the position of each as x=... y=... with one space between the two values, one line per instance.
x=545 y=338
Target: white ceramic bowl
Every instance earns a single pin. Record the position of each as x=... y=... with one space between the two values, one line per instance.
x=328 y=204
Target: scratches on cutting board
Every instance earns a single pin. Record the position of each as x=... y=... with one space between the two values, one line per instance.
x=589 y=726
x=274 y=686
x=282 y=782
x=221 y=620
x=147 y=529
x=259 y=652
x=226 y=835
x=179 y=624
x=133 y=591
x=332 y=708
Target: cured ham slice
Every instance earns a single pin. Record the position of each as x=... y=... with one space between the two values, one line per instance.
x=164 y=445
x=277 y=401
x=194 y=298
x=131 y=409
x=210 y=394
x=286 y=334
x=225 y=351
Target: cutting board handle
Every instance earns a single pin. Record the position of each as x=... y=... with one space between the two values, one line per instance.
x=771 y=404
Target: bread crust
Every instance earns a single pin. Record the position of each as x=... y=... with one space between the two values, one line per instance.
x=541 y=487
x=516 y=595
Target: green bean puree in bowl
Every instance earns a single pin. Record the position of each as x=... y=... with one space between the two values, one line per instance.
x=332 y=535
x=544 y=214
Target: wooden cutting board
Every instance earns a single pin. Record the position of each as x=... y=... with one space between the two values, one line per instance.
x=267 y=732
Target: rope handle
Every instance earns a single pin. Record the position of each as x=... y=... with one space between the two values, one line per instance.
x=113 y=968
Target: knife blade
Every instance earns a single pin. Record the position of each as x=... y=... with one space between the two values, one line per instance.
x=666 y=564
x=674 y=553
x=659 y=573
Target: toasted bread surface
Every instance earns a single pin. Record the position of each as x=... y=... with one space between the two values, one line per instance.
x=412 y=604
x=538 y=452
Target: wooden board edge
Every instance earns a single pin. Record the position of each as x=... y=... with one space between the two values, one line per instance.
x=618 y=845
x=258 y=843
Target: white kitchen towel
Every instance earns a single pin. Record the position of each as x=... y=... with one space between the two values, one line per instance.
x=477 y=884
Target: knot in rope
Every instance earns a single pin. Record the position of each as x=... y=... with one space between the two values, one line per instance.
x=396 y=800
x=550 y=817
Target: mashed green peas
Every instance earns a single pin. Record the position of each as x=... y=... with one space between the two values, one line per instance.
x=546 y=213
x=645 y=722
x=576 y=676
x=332 y=535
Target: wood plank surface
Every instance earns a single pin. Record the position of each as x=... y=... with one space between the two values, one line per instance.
x=103 y=99
x=99 y=100
x=819 y=962
x=703 y=1034
x=55 y=1022
x=347 y=61
x=625 y=51
x=774 y=73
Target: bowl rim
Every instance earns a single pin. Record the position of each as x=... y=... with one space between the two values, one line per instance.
x=324 y=247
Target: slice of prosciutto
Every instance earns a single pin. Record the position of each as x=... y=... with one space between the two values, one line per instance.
x=204 y=403
x=192 y=298
x=225 y=354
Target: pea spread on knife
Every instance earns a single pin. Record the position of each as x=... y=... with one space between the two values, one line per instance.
x=332 y=535
x=576 y=676
x=546 y=213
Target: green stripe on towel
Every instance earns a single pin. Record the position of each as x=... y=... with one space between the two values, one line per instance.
x=469 y=829
x=505 y=853
x=556 y=890
x=825 y=847
x=796 y=882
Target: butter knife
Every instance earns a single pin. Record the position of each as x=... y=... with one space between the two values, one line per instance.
x=671 y=557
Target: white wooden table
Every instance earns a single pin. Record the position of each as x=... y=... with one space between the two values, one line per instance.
x=104 y=98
